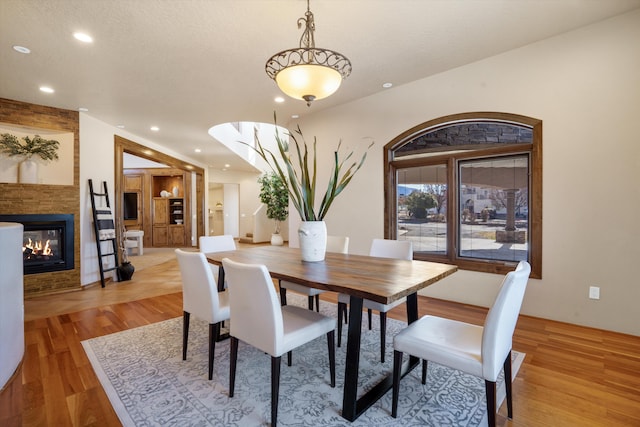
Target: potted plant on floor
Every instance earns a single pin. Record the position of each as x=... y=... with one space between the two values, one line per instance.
x=292 y=164
x=274 y=194
x=45 y=149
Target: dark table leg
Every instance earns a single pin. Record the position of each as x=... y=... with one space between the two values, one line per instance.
x=349 y=398
x=352 y=407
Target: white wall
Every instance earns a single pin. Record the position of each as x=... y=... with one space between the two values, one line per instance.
x=249 y=194
x=585 y=87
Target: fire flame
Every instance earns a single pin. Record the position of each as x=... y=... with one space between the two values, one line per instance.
x=36 y=248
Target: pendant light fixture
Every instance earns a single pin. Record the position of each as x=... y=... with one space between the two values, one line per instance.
x=308 y=73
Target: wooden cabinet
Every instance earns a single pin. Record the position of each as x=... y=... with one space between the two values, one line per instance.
x=163 y=200
x=168 y=221
x=133 y=182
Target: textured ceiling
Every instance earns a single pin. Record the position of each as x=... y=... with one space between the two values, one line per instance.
x=187 y=65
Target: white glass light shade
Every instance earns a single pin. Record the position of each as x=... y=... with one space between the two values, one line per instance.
x=317 y=81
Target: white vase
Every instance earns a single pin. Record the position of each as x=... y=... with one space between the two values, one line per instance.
x=277 y=240
x=175 y=191
x=313 y=240
x=28 y=172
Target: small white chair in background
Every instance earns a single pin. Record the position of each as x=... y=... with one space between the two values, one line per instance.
x=258 y=320
x=382 y=248
x=209 y=244
x=335 y=244
x=201 y=298
x=133 y=239
x=476 y=350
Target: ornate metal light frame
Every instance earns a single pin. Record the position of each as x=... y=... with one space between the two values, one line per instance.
x=308 y=73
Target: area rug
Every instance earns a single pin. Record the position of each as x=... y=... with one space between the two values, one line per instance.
x=149 y=384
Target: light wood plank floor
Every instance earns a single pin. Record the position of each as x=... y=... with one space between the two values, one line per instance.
x=571 y=376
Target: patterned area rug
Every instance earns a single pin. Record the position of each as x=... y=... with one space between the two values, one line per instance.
x=149 y=384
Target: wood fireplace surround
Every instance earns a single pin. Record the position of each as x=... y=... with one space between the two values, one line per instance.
x=16 y=198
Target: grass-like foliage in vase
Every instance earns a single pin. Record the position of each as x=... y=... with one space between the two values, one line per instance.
x=292 y=164
x=46 y=149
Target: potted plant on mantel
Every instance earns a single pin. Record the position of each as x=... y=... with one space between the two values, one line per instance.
x=46 y=149
x=274 y=194
x=299 y=172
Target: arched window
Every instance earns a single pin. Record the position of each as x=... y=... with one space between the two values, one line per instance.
x=466 y=189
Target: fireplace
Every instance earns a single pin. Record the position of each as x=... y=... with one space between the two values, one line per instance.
x=47 y=242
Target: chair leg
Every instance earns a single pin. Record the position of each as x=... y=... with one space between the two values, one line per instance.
x=369 y=317
x=490 y=390
x=340 y=312
x=289 y=361
x=185 y=333
x=508 y=385
x=275 y=389
x=232 y=364
x=214 y=333
x=283 y=294
x=318 y=303
x=310 y=302
x=424 y=371
x=383 y=335
x=331 y=344
x=397 y=372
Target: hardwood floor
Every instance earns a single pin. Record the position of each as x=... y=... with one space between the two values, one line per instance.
x=571 y=376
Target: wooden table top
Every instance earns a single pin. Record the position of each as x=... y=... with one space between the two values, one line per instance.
x=382 y=280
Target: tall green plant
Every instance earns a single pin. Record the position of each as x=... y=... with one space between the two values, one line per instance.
x=274 y=194
x=299 y=172
x=46 y=149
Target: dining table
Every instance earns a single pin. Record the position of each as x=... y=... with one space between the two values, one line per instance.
x=383 y=280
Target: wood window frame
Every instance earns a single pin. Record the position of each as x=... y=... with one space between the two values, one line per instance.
x=534 y=149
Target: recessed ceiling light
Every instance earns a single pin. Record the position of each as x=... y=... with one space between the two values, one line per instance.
x=387 y=85
x=82 y=109
x=155 y=128
x=197 y=150
x=85 y=38
x=227 y=165
x=46 y=89
x=295 y=116
x=21 y=49
x=279 y=99
x=120 y=126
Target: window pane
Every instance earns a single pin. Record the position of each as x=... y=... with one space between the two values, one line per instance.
x=421 y=208
x=493 y=208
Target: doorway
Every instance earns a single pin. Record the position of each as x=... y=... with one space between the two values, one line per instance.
x=122 y=145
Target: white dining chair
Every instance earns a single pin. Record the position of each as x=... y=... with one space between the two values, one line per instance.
x=382 y=248
x=201 y=298
x=482 y=351
x=258 y=319
x=209 y=244
x=337 y=244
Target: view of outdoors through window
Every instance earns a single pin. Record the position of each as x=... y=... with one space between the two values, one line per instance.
x=493 y=214
x=492 y=210
x=422 y=208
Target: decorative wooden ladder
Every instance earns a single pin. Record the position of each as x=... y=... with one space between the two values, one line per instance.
x=96 y=227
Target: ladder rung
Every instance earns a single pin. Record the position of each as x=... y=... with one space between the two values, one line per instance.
x=109 y=254
x=109 y=269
